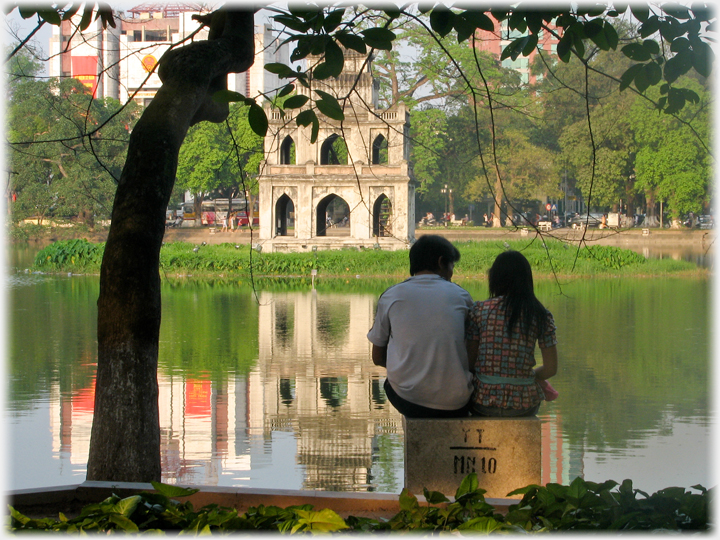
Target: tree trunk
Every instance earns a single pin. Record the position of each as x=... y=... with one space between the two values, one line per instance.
x=125 y=438
x=197 y=206
x=497 y=222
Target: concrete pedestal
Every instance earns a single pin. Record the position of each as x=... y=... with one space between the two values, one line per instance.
x=503 y=452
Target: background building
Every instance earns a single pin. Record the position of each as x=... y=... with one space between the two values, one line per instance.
x=118 y=62
x=495 y=42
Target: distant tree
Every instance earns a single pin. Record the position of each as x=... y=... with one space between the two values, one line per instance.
x=213 y=160
x=602 y=166
x=672 y=163
x=54 y=169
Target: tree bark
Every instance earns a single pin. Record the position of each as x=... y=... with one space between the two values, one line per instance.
x=125 y=438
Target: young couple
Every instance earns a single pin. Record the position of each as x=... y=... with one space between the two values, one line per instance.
x=449 y=357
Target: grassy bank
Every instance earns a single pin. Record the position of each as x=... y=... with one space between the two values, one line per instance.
x=547 y=259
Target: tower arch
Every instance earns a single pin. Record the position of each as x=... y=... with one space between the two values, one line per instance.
x=334 y=151
x=379 y=151
x=284 y=215
x=382 y=217
x=287 y=151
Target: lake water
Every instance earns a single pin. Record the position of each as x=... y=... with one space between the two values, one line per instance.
x=280 y=392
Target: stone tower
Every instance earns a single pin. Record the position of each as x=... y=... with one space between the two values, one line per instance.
x=352 y=187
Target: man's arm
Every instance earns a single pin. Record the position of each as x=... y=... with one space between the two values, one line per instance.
x=379 y=355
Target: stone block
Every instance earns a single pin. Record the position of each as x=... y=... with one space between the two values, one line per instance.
x=503 y=452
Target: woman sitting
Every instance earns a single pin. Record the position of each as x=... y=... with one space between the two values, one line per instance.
x=501 y=338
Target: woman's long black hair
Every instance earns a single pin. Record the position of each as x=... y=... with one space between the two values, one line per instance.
x=510 y=276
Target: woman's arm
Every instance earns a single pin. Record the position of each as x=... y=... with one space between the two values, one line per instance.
x=472 y=347
x=550 y=363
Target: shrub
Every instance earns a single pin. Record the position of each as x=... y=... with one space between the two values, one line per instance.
x=580 y=506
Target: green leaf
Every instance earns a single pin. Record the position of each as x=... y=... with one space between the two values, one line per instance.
x=442 y=20
x=530 y=45
x=27 y=11
x=483 y=525
x=329 y=106
x=479 y=20
x=257 y=119
x=315 y=130
x=105 y=13
x=128 y=505
x=281 y=70
x=173 y=491
x=379 y=38
x=295 y=102
x=287 y=89
x=678 y=65
x=578 y=43
x=653 y=72
x=577 y=489
x=563 y=48
x=124 y=523
x=334 y=58
x=434 y=497
x=463 y=29
x=333 y=20
x=671 y=29
x=293 y=23
x=635 y=51
x=408 y=501
x=323 y=521
x=50 y=16
x=679 y=44
x=628 y=77
x=640 y=11
x=675 y=101
x=18 y=516
x=305 y=118
x=651 y=46
x=524 y=490
x=703 y=59
x=351 y=41
x=468 y=485
x=649 y=27
x=70 y=12
x=228 y=96
x=676 y=10
x=86 y=18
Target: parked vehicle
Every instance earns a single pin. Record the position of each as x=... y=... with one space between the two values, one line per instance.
x=705 y=222
x=581 y=220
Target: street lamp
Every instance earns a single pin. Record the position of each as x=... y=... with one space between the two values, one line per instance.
x=445 y=191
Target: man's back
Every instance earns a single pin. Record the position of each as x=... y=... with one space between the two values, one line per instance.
x=424 y=319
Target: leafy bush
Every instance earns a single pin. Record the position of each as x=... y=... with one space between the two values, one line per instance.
x=580 y=506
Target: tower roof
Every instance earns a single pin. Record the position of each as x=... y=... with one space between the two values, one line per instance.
x=168 y=10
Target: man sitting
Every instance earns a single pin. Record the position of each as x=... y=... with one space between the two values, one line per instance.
x=418 y=335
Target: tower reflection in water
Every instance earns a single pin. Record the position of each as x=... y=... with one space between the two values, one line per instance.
x=311 y=413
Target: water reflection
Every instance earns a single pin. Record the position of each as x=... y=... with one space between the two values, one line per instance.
x=282 y=393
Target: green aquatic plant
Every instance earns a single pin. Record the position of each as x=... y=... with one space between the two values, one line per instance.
x=183 y=259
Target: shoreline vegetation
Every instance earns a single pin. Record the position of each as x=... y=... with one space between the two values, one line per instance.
x=549 y=259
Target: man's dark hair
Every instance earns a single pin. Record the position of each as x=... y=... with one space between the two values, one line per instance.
x=428 y=249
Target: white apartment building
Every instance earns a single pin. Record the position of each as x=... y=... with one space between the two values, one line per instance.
x=118 y=62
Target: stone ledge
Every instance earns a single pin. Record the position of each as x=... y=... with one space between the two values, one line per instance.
x=47 y=502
